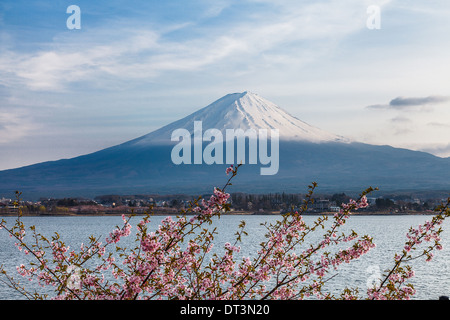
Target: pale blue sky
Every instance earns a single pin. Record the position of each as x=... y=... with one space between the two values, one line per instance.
x=135 y=66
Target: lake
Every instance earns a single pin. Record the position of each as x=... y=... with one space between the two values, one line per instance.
x=431 y=279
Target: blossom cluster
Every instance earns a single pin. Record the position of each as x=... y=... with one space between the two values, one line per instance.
x=118 y=233
x=176 y=261
x=395 y=284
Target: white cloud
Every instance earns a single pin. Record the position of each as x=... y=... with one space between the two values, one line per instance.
x=438 y=149
x=15 y=126
x=293 y=29
x=418 y=103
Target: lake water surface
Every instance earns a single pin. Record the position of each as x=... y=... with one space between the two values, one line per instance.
x=432 y=279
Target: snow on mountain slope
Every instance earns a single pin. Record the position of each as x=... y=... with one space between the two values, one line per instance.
x=244 y=110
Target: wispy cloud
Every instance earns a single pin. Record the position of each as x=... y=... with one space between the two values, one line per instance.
x=438 y=124
x=442 y=150
x=400 y=103
x=412 y=102
x=143 y=51
x=14 y=126
x=58 y=65
x=401 y=119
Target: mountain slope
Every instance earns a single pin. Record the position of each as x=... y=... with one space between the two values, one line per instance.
x=306 y=154
x=244 y=111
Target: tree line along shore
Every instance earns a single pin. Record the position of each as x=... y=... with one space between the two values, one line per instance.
x=240 y=204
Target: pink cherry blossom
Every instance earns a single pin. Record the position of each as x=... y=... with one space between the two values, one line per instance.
x=176 y=260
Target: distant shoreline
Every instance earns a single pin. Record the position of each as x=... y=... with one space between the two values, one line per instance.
x=233 y=213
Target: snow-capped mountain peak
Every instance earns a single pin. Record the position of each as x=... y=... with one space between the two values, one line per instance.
x=245 y=111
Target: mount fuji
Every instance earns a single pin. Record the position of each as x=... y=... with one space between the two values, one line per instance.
x=306 y=153
x=244 y=111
